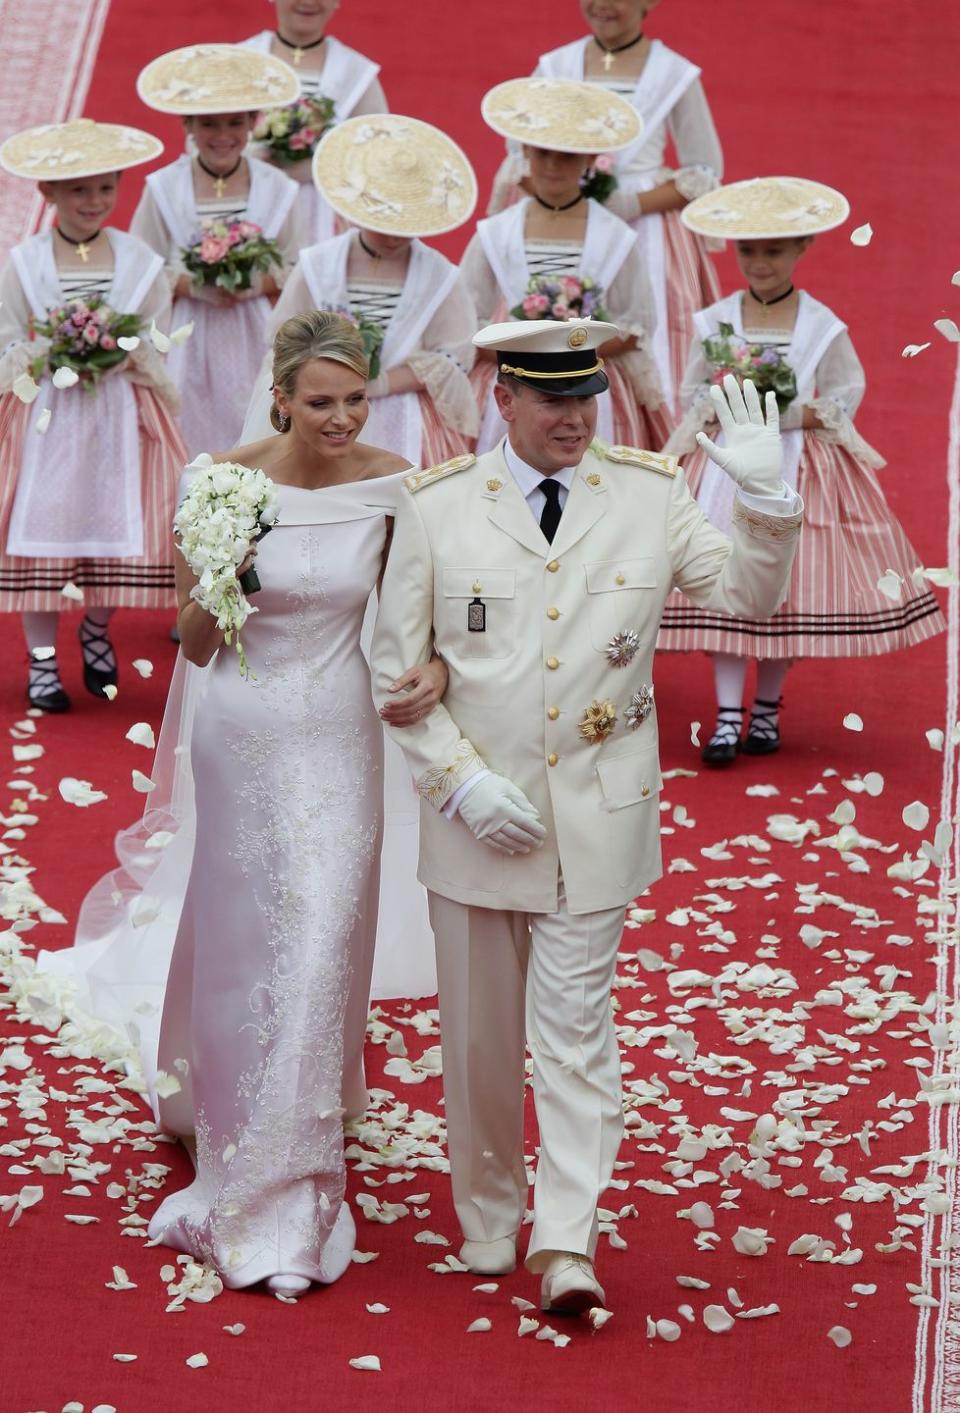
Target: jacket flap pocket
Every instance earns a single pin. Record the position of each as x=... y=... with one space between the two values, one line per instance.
x=479 y=583
x=605 y=575
x=628 y=780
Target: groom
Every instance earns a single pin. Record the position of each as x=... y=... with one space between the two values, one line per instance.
x=539 y=572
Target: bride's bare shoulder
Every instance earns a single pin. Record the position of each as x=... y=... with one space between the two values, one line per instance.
x=378 y=462
x=256 y=454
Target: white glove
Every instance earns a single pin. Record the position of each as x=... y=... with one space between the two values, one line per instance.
x=501 y=815
x=753 y=455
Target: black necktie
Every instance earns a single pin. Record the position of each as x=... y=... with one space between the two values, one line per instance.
x=552 y=510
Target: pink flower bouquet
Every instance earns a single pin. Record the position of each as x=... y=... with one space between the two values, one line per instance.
x=229 y=254
x=757 y=363
x=290 y=134
x=85 y=335
x=561 y=297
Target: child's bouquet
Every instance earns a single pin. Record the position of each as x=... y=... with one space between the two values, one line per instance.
x=369 y=330
x=229 y=253
x=599 y=182
x=761 y=364
x=226 y=507
x=561 y=297
x=290 y=134
x=88 y=337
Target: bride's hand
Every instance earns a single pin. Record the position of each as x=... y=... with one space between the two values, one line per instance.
x=421 y=688
x=248 y=562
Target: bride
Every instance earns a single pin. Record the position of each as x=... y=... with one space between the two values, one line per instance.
x=261 y=1039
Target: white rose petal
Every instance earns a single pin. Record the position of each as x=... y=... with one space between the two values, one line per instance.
x=110 y=692
x=141 y=734
x=158 y=338
x=370 y=1363
x=124 y=1358
x=890 y=585
x=695 y=733
x=237 y=1329
x=863 y=235
x=948 y=328
x=70 y=591
x=935 y=739
x=79 y=792
x=717 y=1319
x=916 y=815
x=378 y=1309
x=197 y=1361
x=144 y=666
x=853 y=722
x=142 y=782
x=598 y=1317
x=943 y=578
x=481 y=1326
x=751 y=1241
x=912 y=349
x=128 y=344
x=668 y=1330
x=25 y=388
x=65 y=378
x=167 y=1084
x=864 y=1289
x=43 y=421
x=840 y=1336
x=181 y=334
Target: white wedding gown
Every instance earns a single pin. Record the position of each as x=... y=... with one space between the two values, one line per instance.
x=264 y=1008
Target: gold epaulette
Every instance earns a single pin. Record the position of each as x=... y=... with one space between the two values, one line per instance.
x=652 y=460
x=418 y=479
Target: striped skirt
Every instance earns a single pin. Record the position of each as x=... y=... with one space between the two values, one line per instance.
x=833 y=607
x=692 y=284
x=147 y=581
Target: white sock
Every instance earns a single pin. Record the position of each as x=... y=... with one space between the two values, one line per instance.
x=771 y=675
x=40 y=631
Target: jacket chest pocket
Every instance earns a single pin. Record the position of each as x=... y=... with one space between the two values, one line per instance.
x=478 y=629
x=621 y=595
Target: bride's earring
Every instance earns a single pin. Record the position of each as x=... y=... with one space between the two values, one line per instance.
x=284 y=422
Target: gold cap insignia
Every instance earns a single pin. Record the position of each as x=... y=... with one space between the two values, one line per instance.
x=494 y=485
x=593 y=479
x=576 y=338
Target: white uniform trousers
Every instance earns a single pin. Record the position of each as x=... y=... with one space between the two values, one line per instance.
x=495 y=970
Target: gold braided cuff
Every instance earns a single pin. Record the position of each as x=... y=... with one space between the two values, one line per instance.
x=437 y=784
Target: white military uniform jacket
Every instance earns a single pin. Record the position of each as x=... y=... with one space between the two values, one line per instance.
x=519 y=690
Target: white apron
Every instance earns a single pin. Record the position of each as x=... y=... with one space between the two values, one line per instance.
x=814 y=332
x=78 y=491
x=607 y=243
x=664 y=80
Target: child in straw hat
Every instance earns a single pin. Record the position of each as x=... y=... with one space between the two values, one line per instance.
x=853 y=592
x=335 y=80
x=218 y=89
x=665 y=89
x=559 y=253
x=395 y=180
x=90 y=453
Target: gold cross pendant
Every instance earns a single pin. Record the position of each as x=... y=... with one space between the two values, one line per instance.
x=608 y=59
x=83 y=251
x=297 y=56
x=220 y=187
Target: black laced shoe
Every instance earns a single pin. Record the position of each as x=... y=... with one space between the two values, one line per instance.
x=763 y=736
x=99 y=661
x=724 y=744
x=44 y=688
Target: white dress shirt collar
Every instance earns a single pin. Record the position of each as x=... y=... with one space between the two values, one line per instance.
x=528 y=478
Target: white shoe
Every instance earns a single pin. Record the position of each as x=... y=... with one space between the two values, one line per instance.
x=490 y=1258
x=287 y=1284
x=570 y=1285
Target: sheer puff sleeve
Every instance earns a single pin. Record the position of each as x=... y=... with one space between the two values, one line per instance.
x=445 y=357
x=144 y=365
x=695 y=402
x=694 y=135
x=631 y=307
x=480 y=283
x=17 y=348
x=839 y=389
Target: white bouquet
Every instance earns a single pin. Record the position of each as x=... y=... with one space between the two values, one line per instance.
x=226 y=507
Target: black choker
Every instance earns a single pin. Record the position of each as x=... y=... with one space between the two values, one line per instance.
x=374 y=254
x=609 y=52
x=220 y=179
x=567 y=206
x=298 y=49
x=767 y=302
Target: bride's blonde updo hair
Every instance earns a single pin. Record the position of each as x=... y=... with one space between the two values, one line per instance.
x=315 y=334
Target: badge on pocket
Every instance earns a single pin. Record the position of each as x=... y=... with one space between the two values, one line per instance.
x=476 y=616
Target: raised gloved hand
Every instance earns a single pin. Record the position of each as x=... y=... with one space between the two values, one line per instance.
x=501 y=815
x=753 y=454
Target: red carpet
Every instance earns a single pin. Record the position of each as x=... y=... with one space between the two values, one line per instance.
x=857 y=96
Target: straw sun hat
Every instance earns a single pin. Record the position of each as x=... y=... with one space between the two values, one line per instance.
x=395 y=175
x=767 y=208
x=562 y=115
x=82 y=148
x=216 y=78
